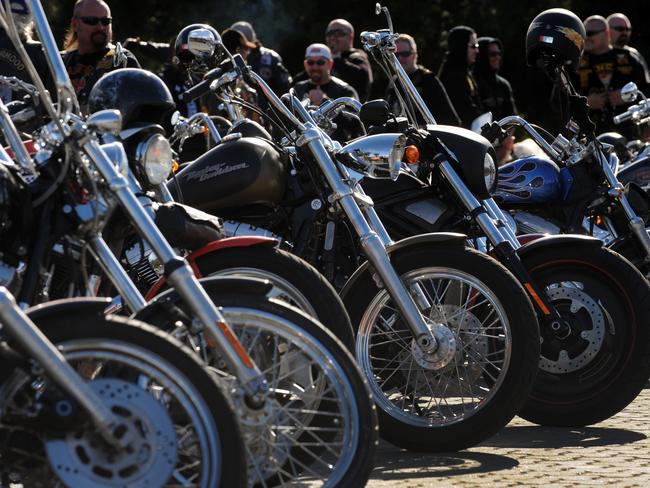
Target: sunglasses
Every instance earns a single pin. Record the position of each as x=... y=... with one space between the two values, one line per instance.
x=336 y=33
x=319 y=62
x=96 y=20
x=593 y=33
x=622 y=29
x=495 y=54
x=404 y=54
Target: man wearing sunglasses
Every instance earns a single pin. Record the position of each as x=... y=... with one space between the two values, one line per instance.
x=425 y=81
x=350 y=64
x=602 y=72
x=620 y=30
x=494 y=90
x=89 y=53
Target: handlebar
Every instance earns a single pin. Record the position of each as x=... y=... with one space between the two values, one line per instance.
x=521 y=122
x=203 y=87
x=637 y=113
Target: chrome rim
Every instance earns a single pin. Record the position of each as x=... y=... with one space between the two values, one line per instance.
x=282 y=289
x=430 y=394
x=198 y=449
x=308 y=432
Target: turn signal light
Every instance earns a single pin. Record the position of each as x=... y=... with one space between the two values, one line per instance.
x=175 y=166
x=412 y=154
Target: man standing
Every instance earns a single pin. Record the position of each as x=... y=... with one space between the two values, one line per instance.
x=265 y=62
x=456 y=73
x=321 y=84
x=350 y=64
x=427 y=84
x=620 y=32
x=88 y=50
x=602 y=72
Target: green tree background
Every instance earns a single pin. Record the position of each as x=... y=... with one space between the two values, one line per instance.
x=288 y=26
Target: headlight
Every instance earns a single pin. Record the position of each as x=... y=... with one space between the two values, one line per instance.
x=379 y=155
x=489 y=172
x=155 y=155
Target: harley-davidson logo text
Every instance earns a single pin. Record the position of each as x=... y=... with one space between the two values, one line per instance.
x=214 y=171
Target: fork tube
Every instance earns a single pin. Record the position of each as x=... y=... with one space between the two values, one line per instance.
x=636 y=223
x=179 y=273
x=497 y=214
x=37 y=345
x=116 y=272
x=370 y=242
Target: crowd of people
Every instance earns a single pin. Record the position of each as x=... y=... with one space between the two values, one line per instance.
x=467 y=84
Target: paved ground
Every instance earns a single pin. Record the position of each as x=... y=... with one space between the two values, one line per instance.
x=614 y=453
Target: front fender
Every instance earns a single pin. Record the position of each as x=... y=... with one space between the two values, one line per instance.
x=406 y=245
x=77 y=308
x=214 y=284
x=558 y=242
x=214 y=246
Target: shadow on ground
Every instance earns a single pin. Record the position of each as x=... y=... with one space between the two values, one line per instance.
x=531 y=437
x=395 y=464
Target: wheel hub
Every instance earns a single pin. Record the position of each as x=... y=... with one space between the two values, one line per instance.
x=443 y=355
x=572 y=351
x=82 y=458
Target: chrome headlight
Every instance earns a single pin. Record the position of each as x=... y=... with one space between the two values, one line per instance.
x=378 y=156
x=155 y=156
x=489 y=172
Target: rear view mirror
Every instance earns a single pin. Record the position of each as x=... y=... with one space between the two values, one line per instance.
x=374 y=112
x=202 y=43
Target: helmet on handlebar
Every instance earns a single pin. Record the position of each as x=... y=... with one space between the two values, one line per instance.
x=181 y=46
x=557 y=33
x=138 y=94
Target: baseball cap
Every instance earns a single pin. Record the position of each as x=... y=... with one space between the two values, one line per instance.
x=318 y=50
x=233 y=39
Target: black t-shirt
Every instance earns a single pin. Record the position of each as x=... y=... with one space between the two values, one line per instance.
x=85 y=69
x=433 y=94
x=607 y=72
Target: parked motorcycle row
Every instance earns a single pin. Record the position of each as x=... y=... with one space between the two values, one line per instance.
x=277 y=304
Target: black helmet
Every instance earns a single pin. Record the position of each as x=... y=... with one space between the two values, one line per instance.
x=558 y=32
x=181 y=47
x=138 y=94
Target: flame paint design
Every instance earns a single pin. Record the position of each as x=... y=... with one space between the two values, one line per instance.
x=528 y=180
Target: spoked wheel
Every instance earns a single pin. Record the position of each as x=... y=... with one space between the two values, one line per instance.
x=598 y=360
x=182 y=430
x=318 y=426
x=479 y=376
x=294 y=281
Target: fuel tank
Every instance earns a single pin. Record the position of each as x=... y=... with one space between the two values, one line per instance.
x=237 y=173
x=529 y=180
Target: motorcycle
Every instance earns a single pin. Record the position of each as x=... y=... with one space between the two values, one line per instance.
x=287 y=377
x=591 y=303
x=440 y=333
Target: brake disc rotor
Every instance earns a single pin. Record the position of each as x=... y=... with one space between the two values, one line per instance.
x=82 y=458
x=569 y=361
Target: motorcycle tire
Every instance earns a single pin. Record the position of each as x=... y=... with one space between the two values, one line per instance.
x=295 y=281
x=603 y=363
x=125 y=357
x=508 y=345
x=351 y=462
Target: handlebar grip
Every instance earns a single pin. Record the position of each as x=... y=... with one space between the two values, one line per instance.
x=203 y=87
x=619 y=119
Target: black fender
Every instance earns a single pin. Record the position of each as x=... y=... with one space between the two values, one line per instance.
x=214 y=284
x=558 y=242
x=406 y=245
x=77 y=307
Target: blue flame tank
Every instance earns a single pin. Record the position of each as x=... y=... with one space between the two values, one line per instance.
x=529 y=180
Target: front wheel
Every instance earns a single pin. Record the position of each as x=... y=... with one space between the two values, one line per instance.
x=482 y=372
x=598 y=362
x=186 y=432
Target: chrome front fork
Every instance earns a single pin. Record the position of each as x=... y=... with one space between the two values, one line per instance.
x=36 y=344
x=636 y=223
x=180 y=275
x=371 y=242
